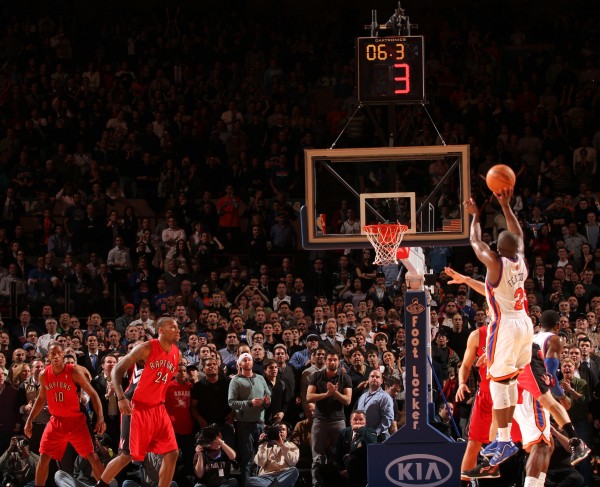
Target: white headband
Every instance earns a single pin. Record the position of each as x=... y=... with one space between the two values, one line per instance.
x=243 y=356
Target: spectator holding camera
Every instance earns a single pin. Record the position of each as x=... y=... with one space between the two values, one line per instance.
x=213 y=459
x=17 y=464
x=276 y=458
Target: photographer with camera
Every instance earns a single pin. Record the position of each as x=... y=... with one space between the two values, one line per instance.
x=17 y=464
x=213 y=459
x=276 y=457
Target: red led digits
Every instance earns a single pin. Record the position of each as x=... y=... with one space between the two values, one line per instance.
x=402 y=68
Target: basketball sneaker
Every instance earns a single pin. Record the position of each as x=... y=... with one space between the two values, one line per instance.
x=504 y=451
x=482 y=470
x=579 y=450
x=490 y=449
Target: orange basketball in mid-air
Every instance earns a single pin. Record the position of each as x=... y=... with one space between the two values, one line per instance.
x=500 y=177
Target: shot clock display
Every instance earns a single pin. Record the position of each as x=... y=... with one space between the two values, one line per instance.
x=390 y=69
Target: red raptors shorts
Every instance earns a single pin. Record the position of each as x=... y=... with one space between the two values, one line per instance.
x=60 y=431
x=151 y=431
x=481 y=417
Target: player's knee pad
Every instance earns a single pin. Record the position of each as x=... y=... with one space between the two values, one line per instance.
x=500 y=395
x=513 y=393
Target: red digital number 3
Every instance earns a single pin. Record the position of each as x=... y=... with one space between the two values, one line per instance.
x=405 y=70
x=519 y=298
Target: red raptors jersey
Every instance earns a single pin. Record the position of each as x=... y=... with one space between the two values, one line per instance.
x=61 y=392
x=159 y=370
x=507 y=296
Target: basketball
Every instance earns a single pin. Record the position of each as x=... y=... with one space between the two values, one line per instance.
x=500 y=177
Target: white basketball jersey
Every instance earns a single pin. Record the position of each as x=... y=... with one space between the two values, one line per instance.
x=507 y=296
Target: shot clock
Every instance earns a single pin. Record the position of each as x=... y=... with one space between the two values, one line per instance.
x=390 y=69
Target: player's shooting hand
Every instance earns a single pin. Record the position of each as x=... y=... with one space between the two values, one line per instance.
x=125 y=407
x=100 y=426
x=461 y=392
x=471 y=207
x=505 y=196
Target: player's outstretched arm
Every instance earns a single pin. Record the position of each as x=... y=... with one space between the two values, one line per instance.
x=458 y=278
x=482 y=250
x=511 y=219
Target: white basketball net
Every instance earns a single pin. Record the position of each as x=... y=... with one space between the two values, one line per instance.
x=385 y=239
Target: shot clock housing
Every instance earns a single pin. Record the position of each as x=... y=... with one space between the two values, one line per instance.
x=391 y=69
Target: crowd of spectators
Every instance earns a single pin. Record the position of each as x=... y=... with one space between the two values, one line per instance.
x=149 y=165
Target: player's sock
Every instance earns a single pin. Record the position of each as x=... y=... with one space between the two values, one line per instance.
x=569 y=430
x=530 y=482
x=504 y=434
x=541 y=479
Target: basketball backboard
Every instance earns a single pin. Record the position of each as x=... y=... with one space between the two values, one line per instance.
x=421 y=187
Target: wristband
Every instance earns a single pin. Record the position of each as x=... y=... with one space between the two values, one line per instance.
x=120 y=399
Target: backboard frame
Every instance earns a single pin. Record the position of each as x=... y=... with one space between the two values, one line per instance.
x=314 y=157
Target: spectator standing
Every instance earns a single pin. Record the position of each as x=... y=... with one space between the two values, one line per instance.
x=170 y=236
x=228 y=209
x=119 y=260
x=28 y=392
x=177 y=403
x=209 y=401
x=102 y=384
x=377 y=405
x=50 y=335
x=248 y=397
x=330 y=389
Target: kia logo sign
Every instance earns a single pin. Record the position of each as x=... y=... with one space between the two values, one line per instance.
x=419 y=469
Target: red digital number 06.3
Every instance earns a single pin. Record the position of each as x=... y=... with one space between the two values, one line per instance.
x=402 y=78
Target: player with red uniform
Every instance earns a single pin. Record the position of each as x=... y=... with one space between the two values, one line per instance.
x=481 y=412
x=58 y=388
x=151 y=429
